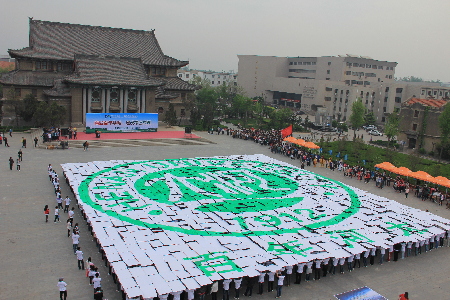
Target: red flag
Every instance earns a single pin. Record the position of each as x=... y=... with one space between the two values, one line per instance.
x=286 y=132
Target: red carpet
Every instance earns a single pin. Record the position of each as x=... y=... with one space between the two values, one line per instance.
x=136 y=135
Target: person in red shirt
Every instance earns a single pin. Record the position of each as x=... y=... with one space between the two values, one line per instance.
x=403 y=296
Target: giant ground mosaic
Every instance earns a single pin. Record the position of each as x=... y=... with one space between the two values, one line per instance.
x=171 y=225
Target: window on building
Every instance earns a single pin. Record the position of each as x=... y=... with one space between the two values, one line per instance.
x=34 y=92
x=414 y=127
x=366 y=82
x=114 y=96
x=416 y=113
x=132 y=96
x=187 y=75
x=212 y=82
x=328 y=71
x=374 y=66
x=43 y=65
x=429 y=93
x=180 y=75
x=295 y=63
x=396 y=110
x=380 y=67
x=183 y=112
x=329 y=63
x=385 y=99
x=327 y=98
x=327 y=78
x=291 y=63
x=218 y=76
x=390 y=76
x=398 y=99
x=440 y=93
x=435 y=93
x=96 y=95
x=383 y=119
x=387 y=89
x=348 y=72
x=399 y=90
x=218 y=82
x=157 y=71
x=384 y=109
x=347 y=82
x=368 y=66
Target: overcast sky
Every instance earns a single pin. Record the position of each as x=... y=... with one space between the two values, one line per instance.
x=210 y=34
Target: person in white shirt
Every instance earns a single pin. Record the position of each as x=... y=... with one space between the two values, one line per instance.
x=190 y=294
x=335 y=262
x=298 y=274
x=325 y=264
x=176 y=295
x=261 y=277
x=237 y=287
x=308 y=270
x=271 y=280
x=66 y=204
x=79 y=254
x=279 y=283
x=56 y=215
x=163 y=297
x=350 y=263
x=409 y=248
x=403 y=249
x=373 y=253
x=71 y=214
x=97 y=281
x=365 y=256
x=226 y=289
x=341 y=265
x=288 y=275
x=69 y=227
x=357 y=259
x=382 y=253
x=59 y=202
x=75 y=237
x=62 y=286
x=318 y=264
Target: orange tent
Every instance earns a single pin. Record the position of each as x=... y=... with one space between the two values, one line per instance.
x=441 y=181
x=403 y=171
x=311 y=145
x=386 y=166
x=422 y=176
x=300 y=142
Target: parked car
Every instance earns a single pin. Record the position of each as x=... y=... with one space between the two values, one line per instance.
x=327 y=129
x=375 y=132
x=370 y=127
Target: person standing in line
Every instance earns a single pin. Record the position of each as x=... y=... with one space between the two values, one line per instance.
x=237 y=287
x=97 y=281
x=214 y=290
x=406 y=192
x=98 y=294
x=56 y=215
x=69 y=227
x=46 y=213
x=373 y=253
x=250 y=282
x=190 y=294
x=91 y=273
x=62 y=289
x=298 y=274
x=325 y=264
x=271 y=281
x=261 y=277
x=75 y=238
x=334 y=263
x=357 y=259
x=11 y=163
x=79 y=254
x=20 y=154
x=176 y=295
x=341 y=265
x=288 y=275
x=365 y=257
x=280 y=282
x=18 y=165
x=226 y=289
x=350 y=263
x=71 y=214
x=409 y=249
x=35 y=142
x=67 y=203
x=5 y=139
x=382 y=253
x=318 y=269
x=308 y=270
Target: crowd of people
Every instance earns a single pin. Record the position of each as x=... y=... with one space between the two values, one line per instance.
x=306 y=157
x=73 y=231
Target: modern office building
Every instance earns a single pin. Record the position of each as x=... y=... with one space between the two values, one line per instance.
x=215 y=78
x=329 y=85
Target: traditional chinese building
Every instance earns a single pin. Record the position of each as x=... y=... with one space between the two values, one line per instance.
x=93 y=69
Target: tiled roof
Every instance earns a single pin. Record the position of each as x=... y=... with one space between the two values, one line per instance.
x=426 y=102
x=121 y=71
x=62 y=41
x=22 y=77
x=59 y=90
x=177 y=84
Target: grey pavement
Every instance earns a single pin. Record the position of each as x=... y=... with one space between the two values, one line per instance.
x=34 y=254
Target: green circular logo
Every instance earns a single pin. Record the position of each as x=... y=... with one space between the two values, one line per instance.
x=218 y=196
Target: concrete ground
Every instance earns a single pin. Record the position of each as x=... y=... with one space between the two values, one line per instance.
x=34 y=254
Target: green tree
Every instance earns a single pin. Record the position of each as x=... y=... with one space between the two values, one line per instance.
x=444 y=126
x=171 y=116
x=30 y=104
x=13 y=103
x=48 y=115
x=391 y=128
x=370 y=118
x=357 y=116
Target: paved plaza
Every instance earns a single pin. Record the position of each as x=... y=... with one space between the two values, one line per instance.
x=34 y=254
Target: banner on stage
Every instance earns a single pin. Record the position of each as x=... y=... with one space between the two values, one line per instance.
x=363 y=293
x=121 y=122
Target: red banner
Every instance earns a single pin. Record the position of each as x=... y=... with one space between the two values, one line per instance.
x=286 y=132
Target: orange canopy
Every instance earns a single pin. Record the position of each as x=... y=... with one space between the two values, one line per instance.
x=311 y=145
x=441 y=181
x=422 y=176
x=386 y=166
x=403 y=171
